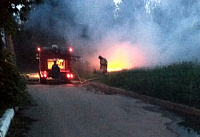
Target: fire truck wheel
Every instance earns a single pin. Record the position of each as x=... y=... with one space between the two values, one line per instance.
x=43 y=80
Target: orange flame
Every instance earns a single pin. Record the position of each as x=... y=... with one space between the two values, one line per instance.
x=120 y=56
x=124 y=56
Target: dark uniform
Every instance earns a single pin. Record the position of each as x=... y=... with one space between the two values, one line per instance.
x=55 y=71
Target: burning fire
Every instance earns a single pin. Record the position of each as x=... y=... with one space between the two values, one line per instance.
x=120 y=56
x=114 y=69
x=124 y=56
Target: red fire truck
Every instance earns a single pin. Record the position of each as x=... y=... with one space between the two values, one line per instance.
x=62 y=56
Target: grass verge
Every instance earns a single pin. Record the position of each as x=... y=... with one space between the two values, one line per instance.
x=178 y=83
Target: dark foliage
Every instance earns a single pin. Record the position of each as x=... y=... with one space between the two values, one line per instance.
x=25 y=52
x=12 y=84
x=11 y=16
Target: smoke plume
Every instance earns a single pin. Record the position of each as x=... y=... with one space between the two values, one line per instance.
x=129 y=33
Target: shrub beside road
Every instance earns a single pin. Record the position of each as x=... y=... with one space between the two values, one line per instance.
x=13 y=90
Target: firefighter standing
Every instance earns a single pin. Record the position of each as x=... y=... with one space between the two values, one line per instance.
x=56 y=71
x=103 y=65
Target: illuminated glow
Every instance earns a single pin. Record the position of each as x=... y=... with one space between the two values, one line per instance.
x=114 y=69
x=33 y=75
x=38 y=49
x=120 y=56
x=124 y=56
x=59 y=62
x=43 y=74
x=70 y=49
x=70 y=76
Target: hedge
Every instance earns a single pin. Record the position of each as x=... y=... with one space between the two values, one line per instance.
x=12 y=85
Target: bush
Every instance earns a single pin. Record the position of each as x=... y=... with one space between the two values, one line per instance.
x=12 y=85
x=179 y=82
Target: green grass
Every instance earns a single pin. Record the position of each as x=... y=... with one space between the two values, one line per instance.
x=179 y=82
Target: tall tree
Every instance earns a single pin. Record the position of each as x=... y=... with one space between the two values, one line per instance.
x=13 y=13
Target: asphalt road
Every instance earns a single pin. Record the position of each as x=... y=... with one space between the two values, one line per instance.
x=80 y=111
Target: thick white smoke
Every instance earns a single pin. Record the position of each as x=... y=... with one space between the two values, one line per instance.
x=131 y=33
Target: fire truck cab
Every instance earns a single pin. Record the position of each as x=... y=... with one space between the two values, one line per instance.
x=47 y=56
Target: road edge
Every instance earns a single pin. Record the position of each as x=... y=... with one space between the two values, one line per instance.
x=5 y=121
x=179 y=108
